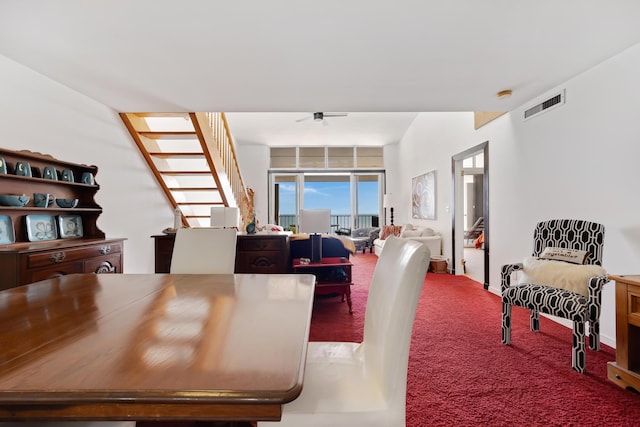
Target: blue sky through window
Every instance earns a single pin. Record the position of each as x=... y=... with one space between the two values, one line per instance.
x=330 y=195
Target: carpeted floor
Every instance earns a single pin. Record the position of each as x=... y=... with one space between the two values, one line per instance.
x=460 y=374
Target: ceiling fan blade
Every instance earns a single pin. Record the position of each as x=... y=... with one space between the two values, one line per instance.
x=335 y=114
x=303 y=119
x=324 y=122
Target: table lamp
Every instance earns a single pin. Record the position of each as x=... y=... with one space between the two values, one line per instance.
x=314 y=222
x=225 y=217
x=386 y=203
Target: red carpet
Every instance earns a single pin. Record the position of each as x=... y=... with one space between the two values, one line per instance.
x=460 y=374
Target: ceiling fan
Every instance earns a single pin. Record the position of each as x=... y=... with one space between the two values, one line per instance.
x=320 y=117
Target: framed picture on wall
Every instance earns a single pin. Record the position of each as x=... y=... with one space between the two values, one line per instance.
x=423 y=196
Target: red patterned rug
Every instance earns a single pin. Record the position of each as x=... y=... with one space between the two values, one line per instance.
x=460 y=374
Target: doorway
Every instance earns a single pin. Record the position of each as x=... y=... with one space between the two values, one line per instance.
x=470 y=213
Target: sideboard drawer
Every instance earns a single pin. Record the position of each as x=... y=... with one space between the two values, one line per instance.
x=54 y=257
x=55 y=271
x=633 y=310
x=22 y=264
x=259 y=263
x=262 y=253
x=261 y=244
x=103 y=265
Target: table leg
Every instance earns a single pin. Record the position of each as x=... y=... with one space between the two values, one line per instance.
x=348 y=292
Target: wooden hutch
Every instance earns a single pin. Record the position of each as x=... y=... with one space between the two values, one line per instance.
x=34 y=244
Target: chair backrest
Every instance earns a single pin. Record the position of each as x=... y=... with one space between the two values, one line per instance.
x=204 y=251
x=391 y=309
x=572 y=234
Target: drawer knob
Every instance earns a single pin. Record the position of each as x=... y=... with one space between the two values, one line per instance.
x=57 y=257
x=104 y=250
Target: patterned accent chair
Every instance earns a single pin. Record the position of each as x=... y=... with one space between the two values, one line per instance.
x=371 y=233
x=563 y=233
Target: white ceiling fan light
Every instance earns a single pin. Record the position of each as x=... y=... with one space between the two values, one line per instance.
x=320 y=116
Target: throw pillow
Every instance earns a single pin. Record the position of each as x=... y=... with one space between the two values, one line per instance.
x=428 y=232
x=411 y=233
x=389 y=230
x=408 y=226
x=573 y=256
x=559 y=274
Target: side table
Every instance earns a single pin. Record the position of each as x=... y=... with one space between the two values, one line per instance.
x=333 y=275
x=625 y=371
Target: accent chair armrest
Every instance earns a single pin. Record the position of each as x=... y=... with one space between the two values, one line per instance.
x=596 y=284
x=505 y=274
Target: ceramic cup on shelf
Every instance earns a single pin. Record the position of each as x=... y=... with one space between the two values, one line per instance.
x=43 y=200
x=87 y=178
x=23 y=169
x=67 y=175
x=50 y=173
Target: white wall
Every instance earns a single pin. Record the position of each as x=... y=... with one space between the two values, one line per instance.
x=254 y=164
x=38 y=114
x=576 y=161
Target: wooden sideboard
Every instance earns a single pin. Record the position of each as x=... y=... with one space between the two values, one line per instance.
x=35 y=241
x=625 y=371
x=163 y=249
x=24 y=264
x=255 y=253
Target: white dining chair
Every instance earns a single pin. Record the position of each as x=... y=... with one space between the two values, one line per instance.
x=204 y=251
x=365 y=384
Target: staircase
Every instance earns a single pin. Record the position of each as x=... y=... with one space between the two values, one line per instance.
x=194 y=161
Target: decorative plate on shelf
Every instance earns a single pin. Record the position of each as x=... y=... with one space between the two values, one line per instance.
x=7 y=234
x=41 y=227
x=70 y=226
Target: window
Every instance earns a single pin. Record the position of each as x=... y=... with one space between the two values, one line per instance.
x=354 y=198
x=327 y=158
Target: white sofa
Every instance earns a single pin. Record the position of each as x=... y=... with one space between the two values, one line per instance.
x=423 y=235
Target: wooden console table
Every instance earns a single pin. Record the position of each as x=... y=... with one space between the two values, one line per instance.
x=625 y=371
x=255 y=253
x=333 y=275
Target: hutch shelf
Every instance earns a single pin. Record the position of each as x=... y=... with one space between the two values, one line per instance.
x=35 y=244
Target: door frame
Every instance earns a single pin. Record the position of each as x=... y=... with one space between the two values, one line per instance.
x=457 y=234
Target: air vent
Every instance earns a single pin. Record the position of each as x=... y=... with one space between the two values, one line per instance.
x=553 y=102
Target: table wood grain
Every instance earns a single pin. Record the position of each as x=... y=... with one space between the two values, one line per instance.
x=143 y=347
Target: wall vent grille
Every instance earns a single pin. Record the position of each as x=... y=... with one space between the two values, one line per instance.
x=553 y=102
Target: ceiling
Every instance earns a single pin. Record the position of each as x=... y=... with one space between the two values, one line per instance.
x=302 y=56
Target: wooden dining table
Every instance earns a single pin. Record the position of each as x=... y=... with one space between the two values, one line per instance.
x=154 y=347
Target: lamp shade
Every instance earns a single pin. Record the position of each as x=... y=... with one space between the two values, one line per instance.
x=386 y=200
x=315 y=220
x=225 y=217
